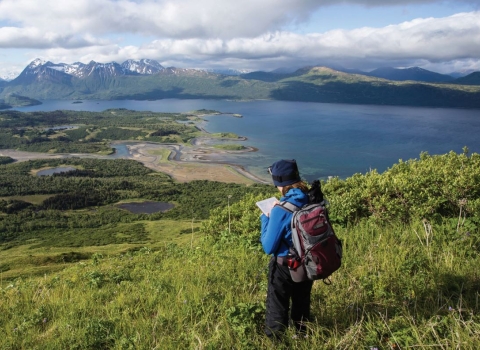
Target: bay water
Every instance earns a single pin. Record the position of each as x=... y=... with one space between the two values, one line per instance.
x=325 y=139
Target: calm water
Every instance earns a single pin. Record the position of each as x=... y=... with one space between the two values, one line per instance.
x=146 y=207
x=52 y=171
x=326 y=139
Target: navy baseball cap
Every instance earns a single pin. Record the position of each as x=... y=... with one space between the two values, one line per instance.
x=284 y=172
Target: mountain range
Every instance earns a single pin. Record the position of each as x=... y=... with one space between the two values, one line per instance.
x=148 y=79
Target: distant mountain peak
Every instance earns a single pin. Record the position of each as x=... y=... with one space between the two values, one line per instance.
x=36 y=63
x=470 y=79
x=409 y=73
x=142 y=66
x=81 y=70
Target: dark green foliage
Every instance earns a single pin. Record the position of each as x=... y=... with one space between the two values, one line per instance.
x=120 y=134
x=7 y=140
x=76 y=173
x=95 y=184
x=78 y=199
x=5 y=160
x=33 y=131
x=12 y=206
x=72 y=257
x=246 y=318
x=383 y=93
x=78 y=134
x=173 y=129
x=99 y=334
x=433 y=186
x=198 y=198
x=58 y=146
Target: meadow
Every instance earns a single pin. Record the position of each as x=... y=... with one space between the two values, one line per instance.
x=195 y=278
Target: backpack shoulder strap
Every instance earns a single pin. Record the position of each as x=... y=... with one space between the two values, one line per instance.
x=291 y=208
x=288 y=206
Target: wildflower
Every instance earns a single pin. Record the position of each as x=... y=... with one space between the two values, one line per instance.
x=451 y=308
x=44 y=320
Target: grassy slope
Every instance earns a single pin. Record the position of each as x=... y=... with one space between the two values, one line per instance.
x=402 y=284
x=33 y=259
x=322 y=84
x=399 y=286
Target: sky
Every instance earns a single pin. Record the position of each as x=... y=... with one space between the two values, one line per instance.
x=438 y=35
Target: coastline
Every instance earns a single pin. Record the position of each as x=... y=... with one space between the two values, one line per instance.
x=183 y=163
x=196 y=162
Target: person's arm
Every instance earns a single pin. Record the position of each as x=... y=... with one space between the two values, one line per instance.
x=273 y=229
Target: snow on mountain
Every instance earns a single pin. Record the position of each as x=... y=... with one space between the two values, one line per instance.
x=36 y=63
x=143 y=66
x=81 y=70
x=8 y=76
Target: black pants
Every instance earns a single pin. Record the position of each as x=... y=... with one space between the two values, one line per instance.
x=281 y=289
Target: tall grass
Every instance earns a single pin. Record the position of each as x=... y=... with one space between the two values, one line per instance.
x=400 y=286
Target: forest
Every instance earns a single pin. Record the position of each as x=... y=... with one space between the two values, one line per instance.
x=91 y=132
x=85 y=197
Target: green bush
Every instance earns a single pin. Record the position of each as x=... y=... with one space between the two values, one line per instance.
x=432 y=186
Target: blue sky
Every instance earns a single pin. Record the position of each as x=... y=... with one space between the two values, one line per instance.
x=438 y=35
x=348 y=16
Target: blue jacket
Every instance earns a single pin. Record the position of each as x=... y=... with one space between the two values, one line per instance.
x=276 y=235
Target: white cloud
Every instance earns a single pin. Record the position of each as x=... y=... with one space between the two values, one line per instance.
x=162 y=18
x=172 y=18
x=434 y=40
x=248 y=34
x=13 y=37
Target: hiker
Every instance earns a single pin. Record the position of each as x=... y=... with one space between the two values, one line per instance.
x=276 y=239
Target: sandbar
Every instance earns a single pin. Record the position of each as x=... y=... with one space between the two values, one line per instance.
x=183 y=163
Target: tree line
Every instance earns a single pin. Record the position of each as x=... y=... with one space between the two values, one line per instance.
x=95 y=186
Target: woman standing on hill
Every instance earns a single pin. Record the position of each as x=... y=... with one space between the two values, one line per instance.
x=276 y=239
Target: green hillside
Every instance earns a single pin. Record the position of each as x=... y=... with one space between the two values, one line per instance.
x=93 y=132
x=15 y=100
x=317 y=84
x=322 y=84
x=98 y=277
x=471 y=79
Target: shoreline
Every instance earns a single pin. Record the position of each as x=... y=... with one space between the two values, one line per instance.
x=183 y=163
x=197 y=160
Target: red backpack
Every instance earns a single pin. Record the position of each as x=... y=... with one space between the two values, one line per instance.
x=316 y=249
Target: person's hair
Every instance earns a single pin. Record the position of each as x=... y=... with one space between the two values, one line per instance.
x=301 y=185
